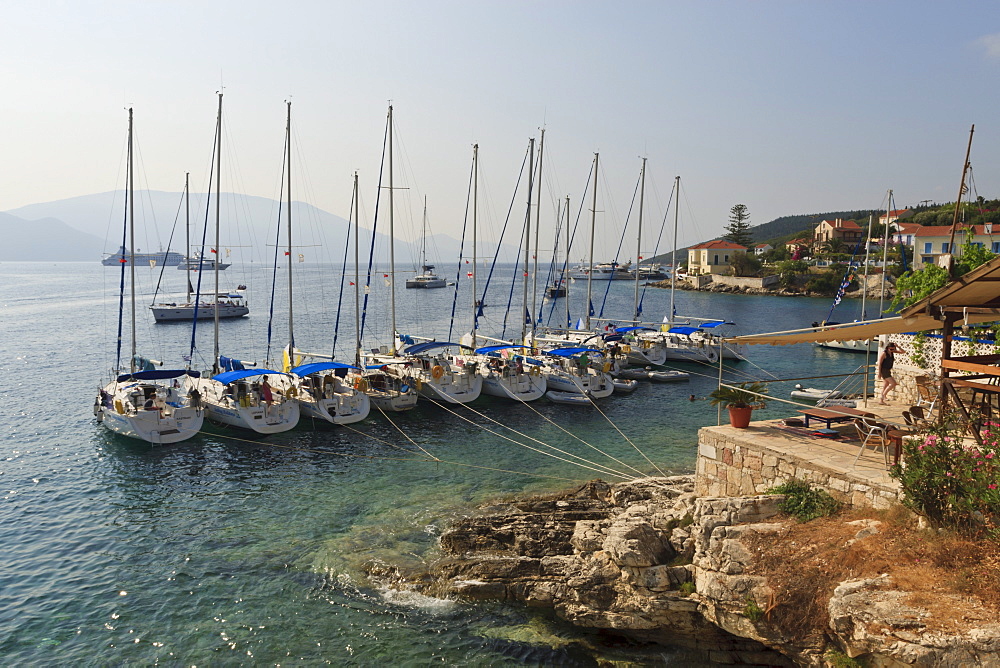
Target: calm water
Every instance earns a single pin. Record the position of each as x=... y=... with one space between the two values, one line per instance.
x=222 y=550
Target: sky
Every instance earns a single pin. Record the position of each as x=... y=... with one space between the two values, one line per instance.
x=787 y=107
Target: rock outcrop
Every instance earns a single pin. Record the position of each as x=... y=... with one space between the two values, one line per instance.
x=649 y=560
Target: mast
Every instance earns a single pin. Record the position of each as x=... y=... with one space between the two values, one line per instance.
x=357 y=278
x=423 y=238
x=392 y=245
x=527 y=237
x=638 y=239
x=131 y=233
x=538 y=227
x=288 y=142
x=885 y=252
x=593 y=226
x=475 y=220
x=565 y=273
x=673 y=252
x=218 y=195
x=958 y=202
x=187 y=229
x=864 y=290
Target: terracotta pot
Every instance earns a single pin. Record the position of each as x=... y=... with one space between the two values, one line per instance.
x=740 y=417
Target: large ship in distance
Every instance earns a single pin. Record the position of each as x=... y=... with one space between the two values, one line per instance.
x=162 y=258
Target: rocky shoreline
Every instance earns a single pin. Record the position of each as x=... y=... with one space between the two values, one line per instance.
x=875 y=290
x=651 y=561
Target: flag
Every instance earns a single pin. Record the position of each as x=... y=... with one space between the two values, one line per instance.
x=214 y=251
x=579 y=323
x=286 y=252
x=385 y=275
x=470 y=274
x=123 y=260
x=351 y=282
x=592 y=308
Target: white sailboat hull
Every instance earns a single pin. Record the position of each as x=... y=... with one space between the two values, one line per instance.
x=451 y=388
x=172 y=312
x=598 y=384
x=256 y=416
x=520 y=387
x=124 y=416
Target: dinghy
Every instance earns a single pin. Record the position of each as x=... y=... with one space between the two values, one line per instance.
x=625 y=386
x=814 y=393
x=668 y=376
x=567 y=398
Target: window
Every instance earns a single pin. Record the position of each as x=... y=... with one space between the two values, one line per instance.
x=944 y=246
x=716 y=260
x=995 y=247
x=727 y=259
x=927 y=247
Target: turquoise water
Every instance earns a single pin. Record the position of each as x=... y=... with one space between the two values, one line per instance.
x=224 y=550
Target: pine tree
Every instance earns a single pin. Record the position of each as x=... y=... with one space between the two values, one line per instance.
x=738 y=229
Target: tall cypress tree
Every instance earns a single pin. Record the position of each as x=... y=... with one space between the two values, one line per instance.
x=738 y=229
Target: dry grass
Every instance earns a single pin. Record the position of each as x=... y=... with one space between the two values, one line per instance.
x=956 y=578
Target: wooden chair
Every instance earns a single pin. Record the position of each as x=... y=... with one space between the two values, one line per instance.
x=916 y=418
x=867 y=430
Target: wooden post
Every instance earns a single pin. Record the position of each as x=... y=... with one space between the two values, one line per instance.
x=948 y=332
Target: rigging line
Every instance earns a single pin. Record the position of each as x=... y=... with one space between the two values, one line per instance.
x=491 y=468
x=343 y=277
x=274 y=270
x=627 y=439
x=618 y=252
x=656 y=248
x=574 y=436
x=204 y=235
x=382 y=441
x=541 y=452
x=568 y=454
x=371 y=249
x=405 y=435
x=170 y=242
x=461 y=254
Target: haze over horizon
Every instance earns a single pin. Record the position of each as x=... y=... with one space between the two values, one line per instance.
x=783 y=106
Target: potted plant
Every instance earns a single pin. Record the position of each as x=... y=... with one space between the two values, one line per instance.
x=740 y=400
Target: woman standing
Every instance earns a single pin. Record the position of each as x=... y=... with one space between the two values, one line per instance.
x=885 y=362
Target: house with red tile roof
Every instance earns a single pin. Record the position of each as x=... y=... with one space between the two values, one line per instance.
x=893 y=216
x=847 y=231
x=931 y=242
x=760 y=249
x=712 y=257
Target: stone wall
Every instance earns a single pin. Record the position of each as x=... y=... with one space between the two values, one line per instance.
x=730 y=466
x=754 y=283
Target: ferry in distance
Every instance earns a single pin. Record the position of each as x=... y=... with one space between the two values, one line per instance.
x=162 y=258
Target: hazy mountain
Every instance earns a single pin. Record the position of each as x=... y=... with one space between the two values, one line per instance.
x=92 y=224
x=45 y=239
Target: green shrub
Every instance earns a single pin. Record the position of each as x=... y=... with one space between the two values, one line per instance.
x=803 y=502
x=838 y=659
x=751 y=610
x=687 y=588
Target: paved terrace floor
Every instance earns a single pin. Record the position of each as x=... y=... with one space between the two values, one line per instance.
x=835 y=455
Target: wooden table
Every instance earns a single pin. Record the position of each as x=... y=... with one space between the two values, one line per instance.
x=829 y=416
x=896 y=437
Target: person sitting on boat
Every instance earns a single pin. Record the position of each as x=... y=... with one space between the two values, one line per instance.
x=194 y=396
x=583 y=361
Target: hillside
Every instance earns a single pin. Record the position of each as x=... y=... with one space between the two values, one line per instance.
x=45 y=239
x=779 y=229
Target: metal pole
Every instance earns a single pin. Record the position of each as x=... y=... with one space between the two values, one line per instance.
x=357 y=285
x=392 y=245
x=475 y=206
x=673 y=252
x=593 y=225
x=291 y=330
x=638 y=240
x=218 y=196
x=131 y=231
x=527 y=238
x=538 y=214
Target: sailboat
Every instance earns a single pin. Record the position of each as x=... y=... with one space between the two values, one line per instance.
x=228 y=304
x=235 y=395
x=134 y=403
x=428 y=279
x=436 y=373
x=504 y=369
x=318 y=387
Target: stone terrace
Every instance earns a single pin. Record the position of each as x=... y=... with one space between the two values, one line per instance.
x=745 y=462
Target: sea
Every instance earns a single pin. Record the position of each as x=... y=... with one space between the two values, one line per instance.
x=233 y=550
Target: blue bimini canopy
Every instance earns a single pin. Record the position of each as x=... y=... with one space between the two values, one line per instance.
x=429 y=345
x=232 y=376
x=707 y=325
x=158 y=374
x=495 y=349
x=570 y=352
x=316 y=367
x=623 y=330
x=682 y=330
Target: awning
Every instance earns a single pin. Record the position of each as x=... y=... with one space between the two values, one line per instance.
x=158 y=374
x=317 y=367
x=493 y=349
x=232 y=376
x=418 y=348
x=570 y=352
x=853 y=331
